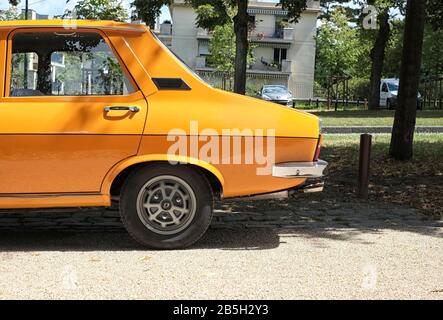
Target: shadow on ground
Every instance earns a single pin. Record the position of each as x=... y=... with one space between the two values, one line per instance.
x=237 y=225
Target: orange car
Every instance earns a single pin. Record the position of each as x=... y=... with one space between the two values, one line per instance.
x=94 y=111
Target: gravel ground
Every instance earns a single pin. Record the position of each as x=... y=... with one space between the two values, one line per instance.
x=254 y=250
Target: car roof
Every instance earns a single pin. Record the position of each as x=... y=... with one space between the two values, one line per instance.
x=73 y=24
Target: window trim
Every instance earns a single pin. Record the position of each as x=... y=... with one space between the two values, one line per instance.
x=8 y=66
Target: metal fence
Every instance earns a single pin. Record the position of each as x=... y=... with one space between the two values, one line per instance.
x=431 y=88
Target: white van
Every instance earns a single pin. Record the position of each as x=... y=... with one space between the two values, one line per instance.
x=389 y=94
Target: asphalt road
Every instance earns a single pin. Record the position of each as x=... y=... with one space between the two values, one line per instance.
x=259 y=252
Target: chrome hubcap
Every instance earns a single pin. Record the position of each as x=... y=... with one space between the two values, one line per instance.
x=166 y=205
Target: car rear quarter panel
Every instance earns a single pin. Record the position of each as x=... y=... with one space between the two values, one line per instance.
x=296 y=133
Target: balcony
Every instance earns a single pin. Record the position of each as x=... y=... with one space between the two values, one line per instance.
x=203 y=34
x=282 y=36
x=262 y=66
x=263 y=34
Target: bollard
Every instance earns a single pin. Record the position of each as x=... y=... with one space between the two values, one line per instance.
x=364 y=165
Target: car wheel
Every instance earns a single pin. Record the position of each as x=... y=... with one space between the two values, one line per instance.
x=166 y=207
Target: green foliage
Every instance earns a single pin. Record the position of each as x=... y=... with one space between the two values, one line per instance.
x=11 y=13
x=148 y=10
x=432 y=60
x=391 y=68
x=434 y=13
x=17 y=70
x=432 y=50
x=71 y=74
x=222 y=49
x=338 y=47
x=100 y=10
x=359 y=88
x=212 y=13
x=294 y=8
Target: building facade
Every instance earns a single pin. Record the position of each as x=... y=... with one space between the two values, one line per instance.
x=284 y=52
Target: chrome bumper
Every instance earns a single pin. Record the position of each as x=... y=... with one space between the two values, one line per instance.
x=305 y=170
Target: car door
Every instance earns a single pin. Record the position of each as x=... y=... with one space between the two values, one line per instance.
x=384 y=93
x=68 y=113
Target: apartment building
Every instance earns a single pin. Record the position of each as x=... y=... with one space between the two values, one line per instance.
x=284 y=52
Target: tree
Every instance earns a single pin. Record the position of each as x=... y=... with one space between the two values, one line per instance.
x=392 y=62
x=337 y=47
x=222 y=50
x=405 y=116
x=380 y=40
x=434 y=14
x=378 y=56
x=11 y=13
x=432 y=62
x=148 y=10
x=212 y=13
x=99 y=10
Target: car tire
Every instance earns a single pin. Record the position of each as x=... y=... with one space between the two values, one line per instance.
x=164 y=206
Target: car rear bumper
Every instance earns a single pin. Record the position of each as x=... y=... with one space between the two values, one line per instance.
x=308 y=170
x=311 y=171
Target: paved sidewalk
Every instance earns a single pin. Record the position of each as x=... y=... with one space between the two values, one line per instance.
x=231 y=214
x=254 y=250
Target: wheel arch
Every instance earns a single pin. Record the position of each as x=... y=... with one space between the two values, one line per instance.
x=119 y=173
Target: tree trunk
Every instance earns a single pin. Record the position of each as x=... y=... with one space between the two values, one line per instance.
x=241 y=46
x=406 y=112
x=377 y=59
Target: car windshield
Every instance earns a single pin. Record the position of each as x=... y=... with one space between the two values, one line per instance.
x=275 y=90
x=393 y=86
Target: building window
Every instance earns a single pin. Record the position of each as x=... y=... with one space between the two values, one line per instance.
x=280 y=24
x=280 y=55
x=251 y=20
x=203 y=49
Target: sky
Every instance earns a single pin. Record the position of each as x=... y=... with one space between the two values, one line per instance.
x=57 y=7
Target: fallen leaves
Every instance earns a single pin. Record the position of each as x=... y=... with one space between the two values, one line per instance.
x=145 y=258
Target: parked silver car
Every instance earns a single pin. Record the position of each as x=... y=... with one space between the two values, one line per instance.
x=276 y=93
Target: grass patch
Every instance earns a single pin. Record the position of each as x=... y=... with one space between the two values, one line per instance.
x=417 y=183
x=375 y=118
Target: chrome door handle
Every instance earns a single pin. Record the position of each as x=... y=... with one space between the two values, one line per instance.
x=124 y=108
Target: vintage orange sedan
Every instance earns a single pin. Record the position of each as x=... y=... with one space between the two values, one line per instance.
x=98 y=111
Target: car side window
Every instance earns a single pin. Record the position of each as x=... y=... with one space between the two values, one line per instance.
x=385 y=87
x=65 y=64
